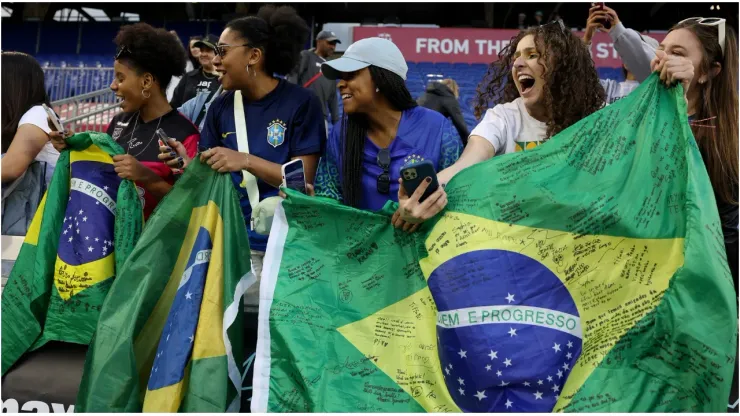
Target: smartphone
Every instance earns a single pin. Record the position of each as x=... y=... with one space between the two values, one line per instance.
x=164 y=140
x=607 y=23
x=294 y=176
x=413 y=175
x=54 y=119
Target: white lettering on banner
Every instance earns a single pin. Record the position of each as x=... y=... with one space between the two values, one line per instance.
x=10 y=406
x=445 y=46
x=488 y=47
x=59 y=408
x=602 y=51
x=89 y=189
x=39 y=407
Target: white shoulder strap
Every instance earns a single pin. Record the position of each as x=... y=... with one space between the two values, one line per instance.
x=249 y=181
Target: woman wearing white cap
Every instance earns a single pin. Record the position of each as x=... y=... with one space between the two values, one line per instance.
x=382 y=129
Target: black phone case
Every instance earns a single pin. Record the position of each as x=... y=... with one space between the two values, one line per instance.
x=415 y=173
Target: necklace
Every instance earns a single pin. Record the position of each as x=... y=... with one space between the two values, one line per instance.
x=136 y=124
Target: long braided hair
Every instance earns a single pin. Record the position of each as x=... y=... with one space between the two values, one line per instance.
x=354 y=131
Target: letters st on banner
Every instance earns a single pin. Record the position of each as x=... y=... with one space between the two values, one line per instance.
x=473 y=46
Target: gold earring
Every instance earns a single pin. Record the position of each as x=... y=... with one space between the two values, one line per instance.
x=144 y=93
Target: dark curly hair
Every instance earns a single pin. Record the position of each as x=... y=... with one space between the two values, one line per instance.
x=572 y=90
x=279 y=32
x=151 y=50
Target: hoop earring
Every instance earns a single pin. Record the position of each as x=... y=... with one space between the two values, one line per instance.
x=145 y=95
x=254 y=73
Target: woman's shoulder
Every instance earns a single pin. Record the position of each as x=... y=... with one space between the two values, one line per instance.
x=180 y=124
x=296 y=92
x=425 y=115
x=36 y=116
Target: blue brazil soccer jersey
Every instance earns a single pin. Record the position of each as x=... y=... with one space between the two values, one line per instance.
x=286 y=123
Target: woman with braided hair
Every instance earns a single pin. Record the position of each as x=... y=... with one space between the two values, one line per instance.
x=382 y=130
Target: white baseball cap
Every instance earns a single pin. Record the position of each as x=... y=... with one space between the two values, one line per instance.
x=363 y=53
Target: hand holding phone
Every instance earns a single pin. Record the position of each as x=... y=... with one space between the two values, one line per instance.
x=294 y=176
x=56 y=124
x=607 y=22
x=164 y=140
x=413 y=174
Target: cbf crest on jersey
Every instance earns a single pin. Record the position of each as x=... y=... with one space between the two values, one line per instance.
x=276 y=133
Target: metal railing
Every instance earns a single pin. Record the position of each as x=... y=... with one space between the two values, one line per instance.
x=88 y=112
x=67 y=82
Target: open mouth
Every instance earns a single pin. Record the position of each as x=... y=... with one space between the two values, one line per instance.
x=526 y=82
x=120 y=99
x=346 y=96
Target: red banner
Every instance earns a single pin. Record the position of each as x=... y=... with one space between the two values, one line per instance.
x=471 y=45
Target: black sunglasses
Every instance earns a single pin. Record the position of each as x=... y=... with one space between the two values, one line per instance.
x=222 y=48
x=122 y=50
x=384 y=179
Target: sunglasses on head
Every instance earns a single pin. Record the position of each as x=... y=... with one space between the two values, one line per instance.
x=384 y=179
x=558 y=22
x=122 y=51
x=711 y=21
x=222 y=48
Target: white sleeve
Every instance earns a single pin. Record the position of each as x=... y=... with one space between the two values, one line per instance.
x=36 y=116
x=493 y=128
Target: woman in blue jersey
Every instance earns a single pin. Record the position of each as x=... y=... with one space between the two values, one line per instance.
x=382 y=129
x=283 y=121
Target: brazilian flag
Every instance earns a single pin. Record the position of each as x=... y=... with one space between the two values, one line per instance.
x=170 y=334
x=585 y=275
x=83 y=231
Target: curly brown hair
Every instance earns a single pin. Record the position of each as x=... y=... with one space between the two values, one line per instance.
x=572 y=90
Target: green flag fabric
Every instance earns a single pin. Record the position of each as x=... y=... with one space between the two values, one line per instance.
x=170 y=334
x=587 y=274
x=83 y=231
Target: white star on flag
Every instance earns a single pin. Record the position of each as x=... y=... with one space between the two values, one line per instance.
x=508 y=403
x=461 y=381
x=499 y=373
x=447 y=370
x=65 y=232
x=78 y=231
x=503 y=384
x=557 y=396
x=97 y=203
x=462 y=392
x=462 y=353
x=566 y=367
x=538 y=396
x=90 y=249
x=556 y=388
x=539 y=382
x=512 y=331
x=570 y=344
x=192 y=338
x=569 y=356
x=526 y=384
x=556 y=347
x=97 y=239
x=488 y=367
x=481 y=395
x=507 y=362
x=188 y=295
x=168 y=338
x=70 y=226
x=81 y=211
x=549 y=378
x=84 y=219
x=87 y=238
x=493 y=354
x=510 y=298
x=105 y=188
x=70 y=239
x=560 y=374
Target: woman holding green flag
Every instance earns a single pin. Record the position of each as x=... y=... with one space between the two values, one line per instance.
x=548 y=82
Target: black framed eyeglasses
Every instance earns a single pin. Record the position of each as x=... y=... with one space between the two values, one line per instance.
x=222 y=48
x=384 y=179
x=121 y=51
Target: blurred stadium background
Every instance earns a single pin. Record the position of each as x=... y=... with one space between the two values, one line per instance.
x=74 y=41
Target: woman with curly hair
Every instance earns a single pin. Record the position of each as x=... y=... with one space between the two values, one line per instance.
x=543 y=82
x=145 y=62
x=283 y=121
